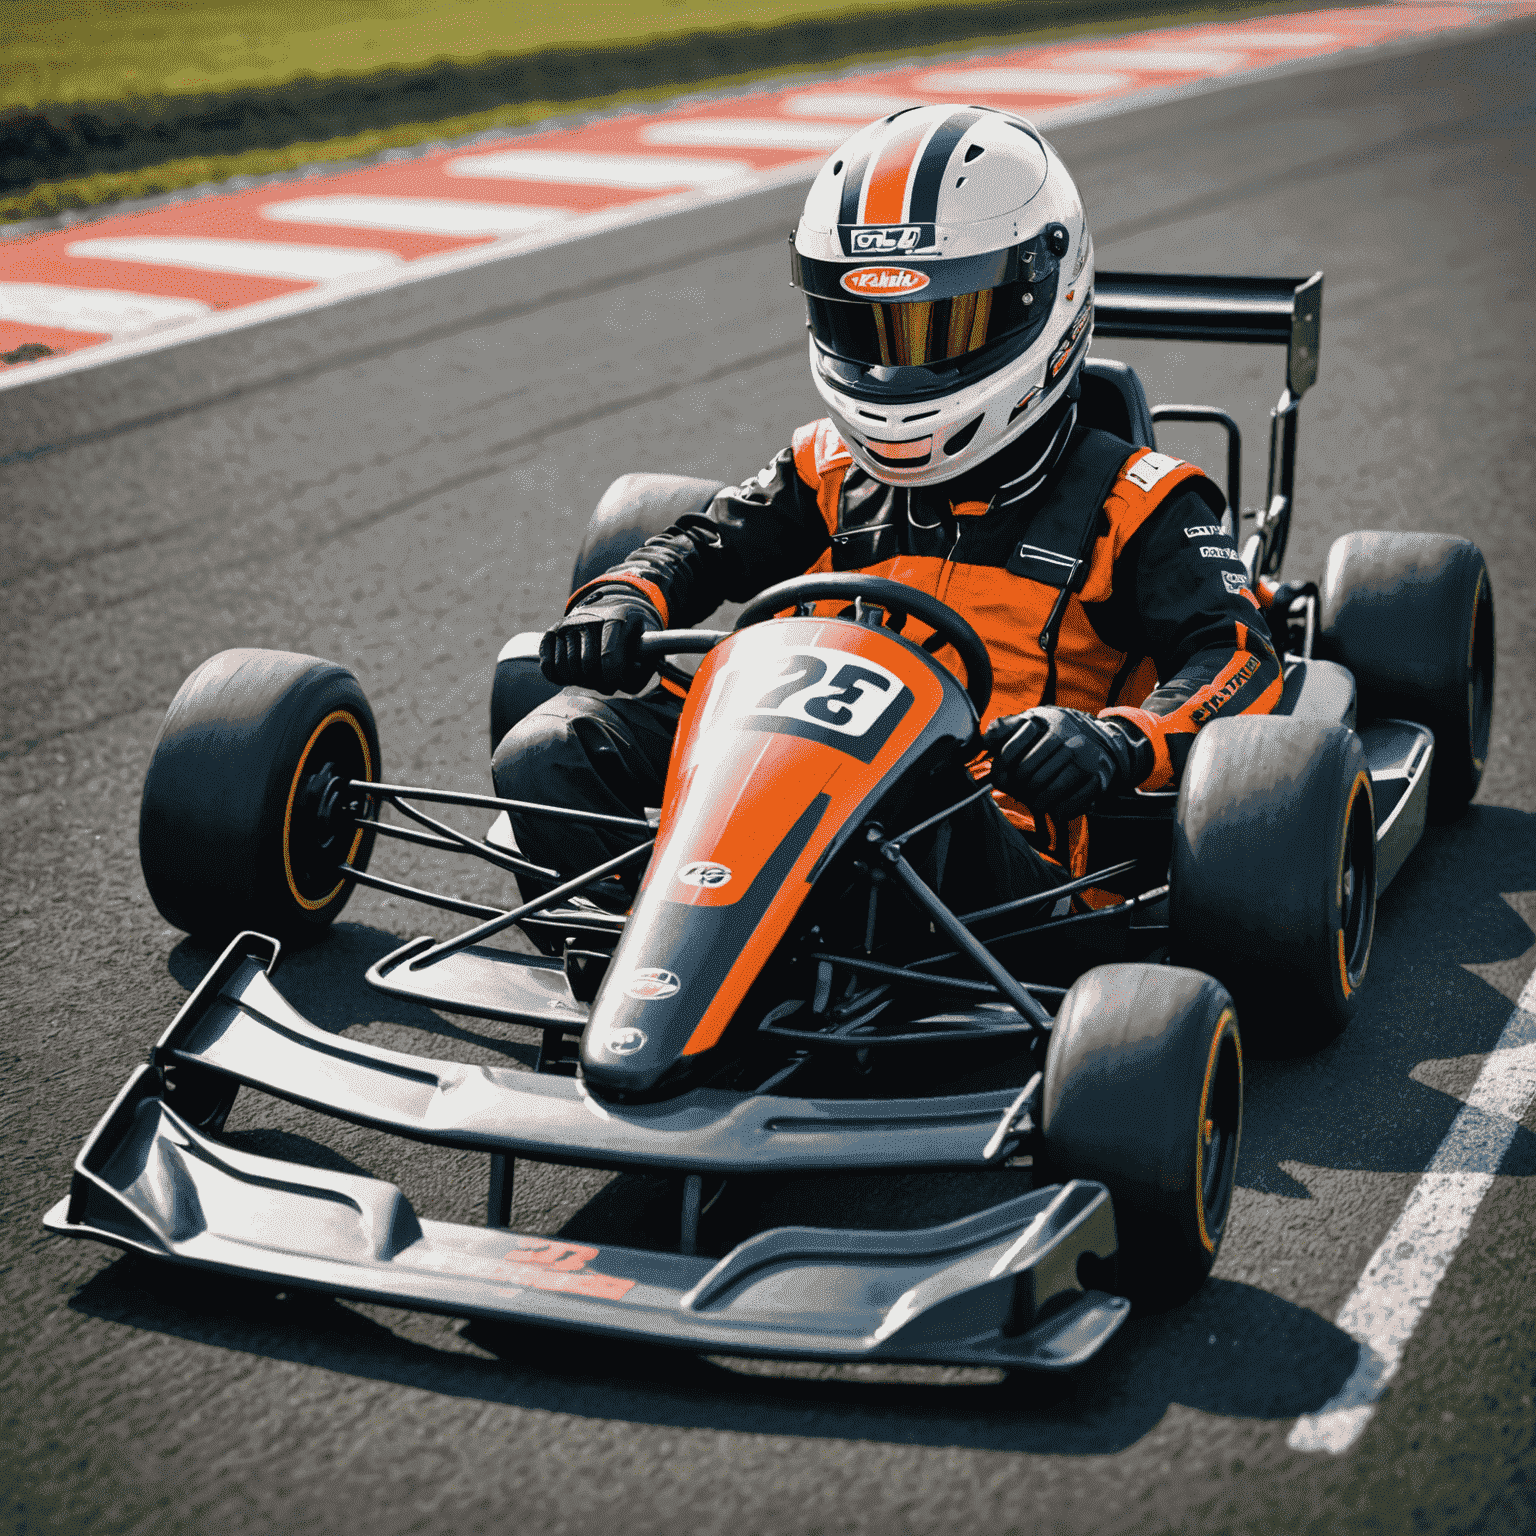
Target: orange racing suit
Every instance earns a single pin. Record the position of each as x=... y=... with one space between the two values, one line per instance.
x=1112 y=588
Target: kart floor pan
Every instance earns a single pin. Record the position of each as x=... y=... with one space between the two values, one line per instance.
x=997 y=1288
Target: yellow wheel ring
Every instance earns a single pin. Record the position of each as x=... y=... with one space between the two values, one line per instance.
x=336 y=716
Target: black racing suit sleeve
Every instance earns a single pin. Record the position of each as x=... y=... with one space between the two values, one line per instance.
x=750 y=536
x=1180 y=596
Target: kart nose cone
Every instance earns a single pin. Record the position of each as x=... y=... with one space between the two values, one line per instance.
x=622 y=1059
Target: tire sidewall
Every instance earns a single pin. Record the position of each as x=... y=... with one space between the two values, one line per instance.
x=1400 y=611
x=221 y=791
x=1129 y=1081
x=1259 y=851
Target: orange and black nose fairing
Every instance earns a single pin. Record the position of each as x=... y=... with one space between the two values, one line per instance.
x=792 y=734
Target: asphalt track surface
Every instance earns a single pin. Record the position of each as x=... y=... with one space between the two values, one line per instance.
x=400 y=483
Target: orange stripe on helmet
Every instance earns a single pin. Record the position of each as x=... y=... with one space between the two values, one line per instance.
x=885 y=192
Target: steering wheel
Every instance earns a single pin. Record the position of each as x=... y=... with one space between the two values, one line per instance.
x=880 y=591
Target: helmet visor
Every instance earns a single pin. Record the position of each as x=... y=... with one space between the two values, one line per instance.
x=921 y=333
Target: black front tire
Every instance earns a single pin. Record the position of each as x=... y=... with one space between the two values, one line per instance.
x=1273 y=874
x=1411 y=615
x=240 y=824
x=1143 y=1092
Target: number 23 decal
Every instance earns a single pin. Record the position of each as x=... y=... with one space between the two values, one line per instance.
x=842 y=705
x=823 y=688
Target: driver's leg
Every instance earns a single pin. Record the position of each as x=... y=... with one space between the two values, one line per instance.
x=593 y=754
x=989 y=861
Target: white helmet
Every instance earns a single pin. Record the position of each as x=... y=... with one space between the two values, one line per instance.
x=948 y=271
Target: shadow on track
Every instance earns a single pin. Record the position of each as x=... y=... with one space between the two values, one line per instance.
x=1361 y=1103
x=1269 y=1360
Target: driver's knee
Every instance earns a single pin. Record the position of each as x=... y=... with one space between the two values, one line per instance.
x=543 y=755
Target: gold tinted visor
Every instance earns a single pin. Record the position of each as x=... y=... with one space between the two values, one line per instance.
x=918 y=332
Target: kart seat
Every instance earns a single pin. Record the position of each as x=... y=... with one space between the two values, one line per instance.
x=1114 y=401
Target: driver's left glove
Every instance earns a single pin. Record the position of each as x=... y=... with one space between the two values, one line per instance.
x=1059 y=761
x=597 y=644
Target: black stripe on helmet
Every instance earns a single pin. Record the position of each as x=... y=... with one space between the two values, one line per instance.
x=853 y=181
x=929 y=177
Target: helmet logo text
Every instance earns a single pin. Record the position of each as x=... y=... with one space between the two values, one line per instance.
x=883 y=282
x=884 y=239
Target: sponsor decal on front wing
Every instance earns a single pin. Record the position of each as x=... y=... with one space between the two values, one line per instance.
x=546 y=1264
x=648 y=986
x=884 y=282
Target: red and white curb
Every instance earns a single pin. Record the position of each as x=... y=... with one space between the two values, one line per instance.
x=140 y=282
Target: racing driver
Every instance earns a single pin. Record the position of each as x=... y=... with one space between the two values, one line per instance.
x=948 y=273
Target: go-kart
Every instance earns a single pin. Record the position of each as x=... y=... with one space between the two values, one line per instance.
x=787 y=994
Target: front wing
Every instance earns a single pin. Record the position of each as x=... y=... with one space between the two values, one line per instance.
x=1000 y=1287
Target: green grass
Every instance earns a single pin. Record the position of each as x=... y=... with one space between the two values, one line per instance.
x=108 y=50
x=78 y=192
x=118 y=49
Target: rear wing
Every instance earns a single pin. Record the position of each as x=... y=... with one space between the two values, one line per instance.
x=1266 y=311
x=1269 y=311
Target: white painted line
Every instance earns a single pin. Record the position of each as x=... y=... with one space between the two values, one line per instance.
x=850 y=106
x=1400 y=1280
x=1188 y=61
x=743 y=133
x=565 y=165
x=1021 y=82
x=414 y=215
x=250 y=258
x=100 y=311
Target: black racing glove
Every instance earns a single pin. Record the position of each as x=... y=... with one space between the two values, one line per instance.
x=597 y=644
x=1058 y=761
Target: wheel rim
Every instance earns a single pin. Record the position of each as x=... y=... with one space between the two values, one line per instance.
x=1220 y=1129
x=315 y=844
x=1356 y=894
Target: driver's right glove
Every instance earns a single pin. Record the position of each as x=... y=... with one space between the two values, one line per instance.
x=1060 y=761
x=597 y=644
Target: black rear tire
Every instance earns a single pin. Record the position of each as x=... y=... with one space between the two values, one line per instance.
x=1273 y=874
x=1411 y=615
x=633 y=509
x=1143 y=1092
x=239 y=826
